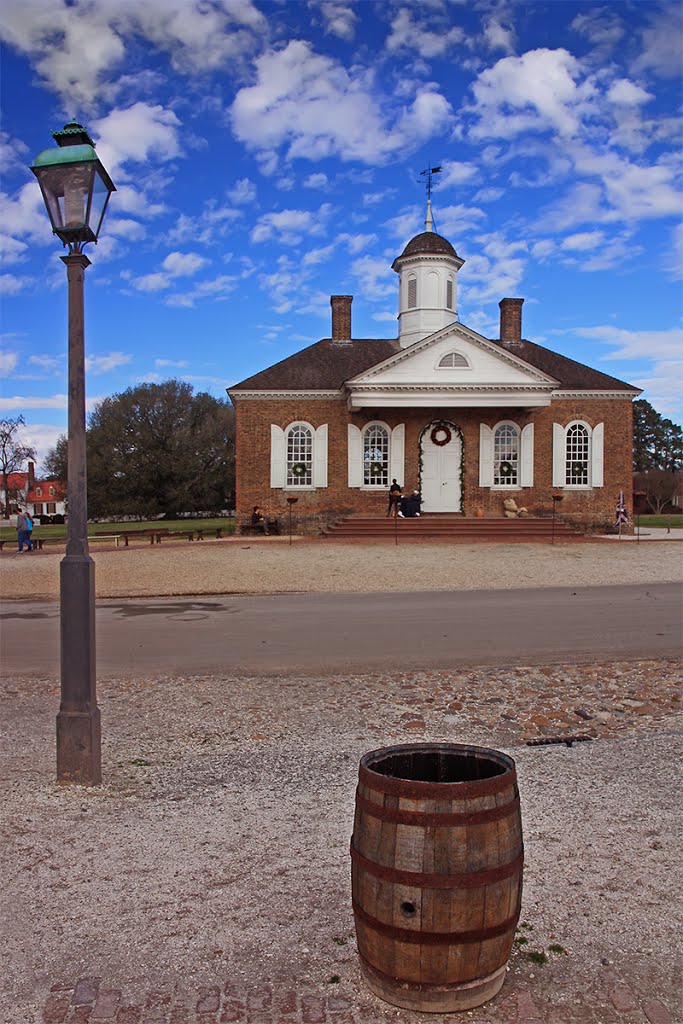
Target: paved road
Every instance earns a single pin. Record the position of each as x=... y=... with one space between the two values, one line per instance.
x=314 y=633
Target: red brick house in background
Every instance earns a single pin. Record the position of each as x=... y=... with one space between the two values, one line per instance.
x=468 y=420
x=38 y=497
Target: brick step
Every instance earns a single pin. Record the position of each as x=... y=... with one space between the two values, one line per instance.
x=450 y=526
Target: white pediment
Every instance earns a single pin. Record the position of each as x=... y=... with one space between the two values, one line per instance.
x=454 y=366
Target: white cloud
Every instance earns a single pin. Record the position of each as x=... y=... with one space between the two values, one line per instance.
x=76 y=46
x=339 y=17
x=176 y=264
x=12 y=285
x=21 y=402
x=180 y=363
x=602 y=27
x=136 y=134
x=636 y=344
x=8 y=361
x=106 y=363
x=627 y=94
x=49 y=364
x=582 y=241
x=319 y=181
x=455 y=173
x=376 y=279
x=497 y=270
x=289 y=226
x=428 y=37
x=539 y=91
x=499 y=36
x=315 y=256
x=662 y=42
x=315 y=108
x=242 y=192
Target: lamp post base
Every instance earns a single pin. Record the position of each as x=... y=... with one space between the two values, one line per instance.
x=79 y=747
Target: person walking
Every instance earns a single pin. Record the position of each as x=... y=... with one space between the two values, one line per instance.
x=23 y=533
x=394 y=497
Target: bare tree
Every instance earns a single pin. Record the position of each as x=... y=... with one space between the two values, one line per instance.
x=13 y=454
x=659 y=486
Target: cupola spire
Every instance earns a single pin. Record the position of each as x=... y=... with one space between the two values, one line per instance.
x=429 y=220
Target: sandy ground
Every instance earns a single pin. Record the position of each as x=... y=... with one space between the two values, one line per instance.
x=217 y=846
x=274 y=566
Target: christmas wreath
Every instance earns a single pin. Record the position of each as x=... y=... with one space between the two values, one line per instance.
x=506 y=470
x=440 y=435
x=578 y=468
x=376 y=468
x=299 y=469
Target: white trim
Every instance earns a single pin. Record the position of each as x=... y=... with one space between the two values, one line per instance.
x=485 y=455
x=559 y=455
x=320 y=456
x=526 y=456
x=632 y=394
x=397 y=456
x=278 y=456
x=354 y=455
x=597 y=443
x=267 y=396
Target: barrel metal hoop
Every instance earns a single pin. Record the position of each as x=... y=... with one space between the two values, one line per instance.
x=437 y=819
x=421 y=880
x=437 y=790
x=436 y=938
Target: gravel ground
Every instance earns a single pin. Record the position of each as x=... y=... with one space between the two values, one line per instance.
x=274 y=566
x=217 y=847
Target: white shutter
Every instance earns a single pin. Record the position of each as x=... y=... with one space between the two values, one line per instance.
x=597 y=451
x=485 y=456
x=278 y=459
x=398 y=447
x=559 y=456
x=320 y=457
x=526 y=476
x=355 y=456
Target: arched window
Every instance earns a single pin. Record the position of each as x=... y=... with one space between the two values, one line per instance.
x=375 y=456
x=453 y=360
x=52 y=491
x=299 y=440
x=577 y=456
x=39 y=492
x=506 y=455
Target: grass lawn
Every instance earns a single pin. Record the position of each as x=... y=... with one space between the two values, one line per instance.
x=174 y=525
x=674 y=521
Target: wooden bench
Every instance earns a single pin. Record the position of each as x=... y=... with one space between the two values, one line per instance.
x=248 y=527
x=218 y=531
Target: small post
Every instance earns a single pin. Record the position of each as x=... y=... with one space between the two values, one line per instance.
x=291 y=501
x=556 y=498
x=638 y=529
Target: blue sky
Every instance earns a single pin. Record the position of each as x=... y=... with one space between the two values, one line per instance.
x=268 y=155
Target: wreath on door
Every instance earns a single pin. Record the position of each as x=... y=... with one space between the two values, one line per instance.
x=440 y=435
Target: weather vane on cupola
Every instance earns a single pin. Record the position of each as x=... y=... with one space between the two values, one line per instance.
x=429 y=172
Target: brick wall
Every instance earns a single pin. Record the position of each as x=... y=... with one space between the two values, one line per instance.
x=315 y=508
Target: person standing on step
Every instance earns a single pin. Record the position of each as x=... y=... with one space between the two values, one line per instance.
x=395 y=495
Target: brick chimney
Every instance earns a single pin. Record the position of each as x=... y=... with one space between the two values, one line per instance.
x=31 y=476
x=341 y=317
x=511 y=321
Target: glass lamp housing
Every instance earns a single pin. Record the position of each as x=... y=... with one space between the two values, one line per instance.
x=76 y=190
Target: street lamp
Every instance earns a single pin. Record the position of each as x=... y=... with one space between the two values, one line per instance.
x=76 y=190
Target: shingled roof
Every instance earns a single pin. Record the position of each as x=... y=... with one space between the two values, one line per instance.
x=428 y=242
x=327 y=365
x=324 y=366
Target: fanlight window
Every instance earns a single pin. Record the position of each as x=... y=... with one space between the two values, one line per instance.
x=376 y=456
x=506 y=456
x=453 y=360
x=577 y=455
x=299 y=457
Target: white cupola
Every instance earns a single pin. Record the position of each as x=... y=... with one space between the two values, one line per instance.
x=427 y=272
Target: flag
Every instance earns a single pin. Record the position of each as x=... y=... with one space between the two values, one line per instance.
x=622 y=514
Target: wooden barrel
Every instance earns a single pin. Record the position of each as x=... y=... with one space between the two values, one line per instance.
x=436 y=859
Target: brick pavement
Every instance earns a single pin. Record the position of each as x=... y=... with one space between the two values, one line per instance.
x=558 y=998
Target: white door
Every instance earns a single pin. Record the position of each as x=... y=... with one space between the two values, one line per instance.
x=441 y=474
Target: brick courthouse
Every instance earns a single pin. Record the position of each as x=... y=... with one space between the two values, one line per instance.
x=468 y=420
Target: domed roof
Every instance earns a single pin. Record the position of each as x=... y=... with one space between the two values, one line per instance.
x=430 y=244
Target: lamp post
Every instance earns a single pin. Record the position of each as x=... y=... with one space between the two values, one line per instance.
x=76 y=189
